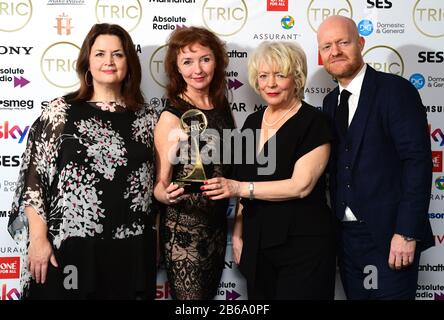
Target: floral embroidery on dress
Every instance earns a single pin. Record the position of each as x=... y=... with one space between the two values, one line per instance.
x=104 y=145
x=139 y=184
x=78 y=201
x=110 y=106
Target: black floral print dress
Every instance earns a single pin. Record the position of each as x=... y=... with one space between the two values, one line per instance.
x=194 y=231
x=88 y=172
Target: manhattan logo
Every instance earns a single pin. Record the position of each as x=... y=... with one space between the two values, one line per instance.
x=20 y=81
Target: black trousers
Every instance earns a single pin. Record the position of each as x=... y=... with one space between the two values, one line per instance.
x=364 y=269
x=303 y=268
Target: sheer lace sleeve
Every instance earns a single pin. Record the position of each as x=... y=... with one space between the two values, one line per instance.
x=38 y=168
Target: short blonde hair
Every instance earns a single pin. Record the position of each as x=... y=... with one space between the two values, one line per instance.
x=286 y=57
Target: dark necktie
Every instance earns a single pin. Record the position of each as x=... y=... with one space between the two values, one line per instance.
x=342 y=112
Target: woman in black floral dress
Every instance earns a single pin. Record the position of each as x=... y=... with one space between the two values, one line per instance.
x=83 y=208
x=193 y=228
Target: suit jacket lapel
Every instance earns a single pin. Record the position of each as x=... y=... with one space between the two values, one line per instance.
x=366 y=101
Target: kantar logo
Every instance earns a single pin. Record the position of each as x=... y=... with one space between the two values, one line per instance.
x=428 y=16
x=225 y=18
x=58 y=64
x=126 y=13
x=14 y=15
x=319 y=10
x=157 y=67
x=384 y=58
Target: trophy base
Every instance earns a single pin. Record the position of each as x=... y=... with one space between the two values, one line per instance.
x=190 y=186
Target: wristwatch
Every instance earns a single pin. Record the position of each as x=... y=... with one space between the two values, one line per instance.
x=408 y=238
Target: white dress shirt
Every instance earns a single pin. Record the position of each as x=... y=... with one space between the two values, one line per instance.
x=354 y=87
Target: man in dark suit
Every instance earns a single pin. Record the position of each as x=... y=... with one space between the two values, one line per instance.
x=380 y=169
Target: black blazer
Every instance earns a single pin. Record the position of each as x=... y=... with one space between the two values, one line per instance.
x=390 y=163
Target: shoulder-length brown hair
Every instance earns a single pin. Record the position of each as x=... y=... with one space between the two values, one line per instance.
x=130 y=90
x=179 y=39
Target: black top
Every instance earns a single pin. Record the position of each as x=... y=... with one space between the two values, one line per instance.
x=273 y=221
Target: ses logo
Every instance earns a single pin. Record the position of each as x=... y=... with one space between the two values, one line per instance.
x=9 y=161
x=8 y=131
x=9 y=267
x=14 y=15
x=319 y=10
x=365 y=27
x=428 y=17
x=379 y=4
x=126 y=13
x=417 y=80
x=225 y=19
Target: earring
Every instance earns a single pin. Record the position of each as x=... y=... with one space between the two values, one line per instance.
x=86 y=78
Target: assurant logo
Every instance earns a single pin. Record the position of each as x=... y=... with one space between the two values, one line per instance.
x=428 y=17
x=224 y=19
x=287 y=22
x=126 y=13
x=319 y=10
x=386 y=59
x=14 y=15
x=439 y=183
x=58 y=64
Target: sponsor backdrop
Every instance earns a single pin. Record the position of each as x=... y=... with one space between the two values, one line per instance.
x=40 y=40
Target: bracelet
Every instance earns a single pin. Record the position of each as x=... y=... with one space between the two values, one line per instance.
x=251 y=189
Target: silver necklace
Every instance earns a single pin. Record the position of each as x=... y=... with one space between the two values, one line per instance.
x=276 y=121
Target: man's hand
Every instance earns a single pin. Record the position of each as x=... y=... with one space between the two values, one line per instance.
x=402 y=252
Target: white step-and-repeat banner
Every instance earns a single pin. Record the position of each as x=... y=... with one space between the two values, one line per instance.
x=40 y=40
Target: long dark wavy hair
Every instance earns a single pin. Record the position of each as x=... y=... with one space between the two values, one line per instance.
x=179 y=39
x=130 y=90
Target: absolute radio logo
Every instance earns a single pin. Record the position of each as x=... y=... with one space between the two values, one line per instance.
x=15 y=15
x=9 y=267
x=428 y=17
x=126 y=13
x=224 y=19
x=319 y=10
x=58 y=64
x=386 y=59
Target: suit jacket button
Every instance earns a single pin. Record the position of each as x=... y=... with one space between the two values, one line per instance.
x=347 y=167
x=348 y=185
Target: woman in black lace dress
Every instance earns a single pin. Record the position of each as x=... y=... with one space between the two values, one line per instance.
x=82 y=210
x=193 y=228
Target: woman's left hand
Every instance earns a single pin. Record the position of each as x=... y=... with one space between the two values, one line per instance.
x=220 y=188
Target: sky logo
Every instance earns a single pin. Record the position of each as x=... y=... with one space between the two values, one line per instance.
x=287 y=22
x=365 y=27
x=417 y=80
x=15 y=132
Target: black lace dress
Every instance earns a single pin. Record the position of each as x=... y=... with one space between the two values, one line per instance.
x=194 y=231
